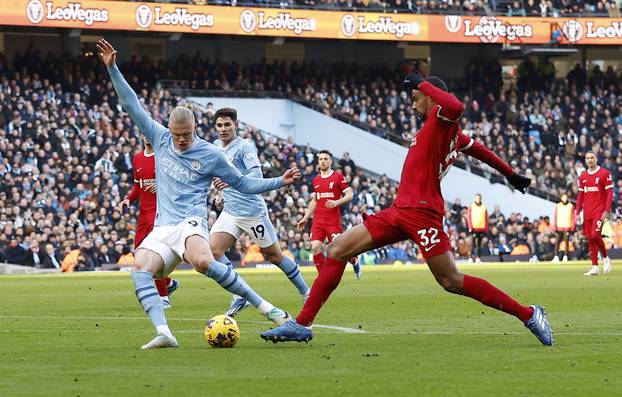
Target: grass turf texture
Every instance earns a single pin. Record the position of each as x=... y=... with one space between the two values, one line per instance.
x=70 y=335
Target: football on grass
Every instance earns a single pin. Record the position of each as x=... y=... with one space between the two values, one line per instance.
x=222 y=331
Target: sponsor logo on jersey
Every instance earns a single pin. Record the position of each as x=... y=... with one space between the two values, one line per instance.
x=146 y=182
x=178 y=171
x=591 y=189
x=325 y=195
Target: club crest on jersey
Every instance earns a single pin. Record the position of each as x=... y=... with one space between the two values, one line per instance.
x=330 y=185
x=196 y=164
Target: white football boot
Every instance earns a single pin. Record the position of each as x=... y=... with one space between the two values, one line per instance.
x=555 y=259
x=565 y=258
x=606 y=265
x=592 y=272
x=161 y=341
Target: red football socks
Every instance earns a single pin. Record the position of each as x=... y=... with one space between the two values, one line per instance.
x=318 y=259
x=323 y=286
x=481 y=290
x=162 y=285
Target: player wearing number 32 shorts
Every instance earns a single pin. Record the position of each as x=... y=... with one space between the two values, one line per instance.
x=417 y=214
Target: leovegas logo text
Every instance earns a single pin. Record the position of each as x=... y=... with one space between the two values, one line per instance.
x=488 y=29
x=381 y=25
x=36 y=12
x=179 y=16
x=611 y=31
x=264 y=21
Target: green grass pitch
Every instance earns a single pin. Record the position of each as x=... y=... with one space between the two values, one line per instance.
x=79 y=335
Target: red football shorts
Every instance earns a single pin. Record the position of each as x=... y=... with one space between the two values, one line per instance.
x=592 y=227
x=142 y=231
x=325 y=232
x=424 y=227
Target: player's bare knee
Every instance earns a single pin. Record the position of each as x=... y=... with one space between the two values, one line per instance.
x=336 y=251
x=451 y=282
x=274 y=257
x=316 y=247
x=201 y=265
x=217 y=252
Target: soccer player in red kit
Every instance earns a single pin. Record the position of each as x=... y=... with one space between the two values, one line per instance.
x=417 y=213
x=330 y=191
x=595 y=198
x=145 y=189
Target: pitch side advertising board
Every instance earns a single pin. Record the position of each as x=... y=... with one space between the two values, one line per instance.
x=244 y=21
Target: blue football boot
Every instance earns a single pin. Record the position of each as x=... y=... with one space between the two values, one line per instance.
x=291 y=331
x=539 y=325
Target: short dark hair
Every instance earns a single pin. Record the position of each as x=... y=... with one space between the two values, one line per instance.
x=325 y=151
x=437 y=82
x=226 y=112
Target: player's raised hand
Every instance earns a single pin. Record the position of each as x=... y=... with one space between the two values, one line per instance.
x=302 y=223
x=107 y=52
x=219 y=184
x=291 y=175
x=519 y=182
x=124 y=204
x=331 y=203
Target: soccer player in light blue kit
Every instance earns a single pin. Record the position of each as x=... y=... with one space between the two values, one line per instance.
x=185 y=167
x=246 y=212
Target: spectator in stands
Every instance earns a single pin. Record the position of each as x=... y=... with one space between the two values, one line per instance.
x=50 y=259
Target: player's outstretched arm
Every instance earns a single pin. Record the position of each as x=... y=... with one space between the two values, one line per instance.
x=249 y=185
x=476 y=150
x=451 y=107
x=128 y=98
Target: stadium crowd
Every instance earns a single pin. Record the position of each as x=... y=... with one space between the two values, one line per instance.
x=530 y=8
x=66 y=152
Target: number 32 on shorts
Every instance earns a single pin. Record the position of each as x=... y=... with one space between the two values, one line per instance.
x=428 y=238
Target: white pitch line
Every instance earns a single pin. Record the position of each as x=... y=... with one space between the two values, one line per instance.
x=109 y=318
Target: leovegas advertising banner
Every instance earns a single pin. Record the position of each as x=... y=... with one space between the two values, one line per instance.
x=465 y=29
x=166 y=17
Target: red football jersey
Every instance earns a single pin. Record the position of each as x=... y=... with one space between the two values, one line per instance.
x=327 y=188
x=144 y=176
x=432 y=152
x=595 y=193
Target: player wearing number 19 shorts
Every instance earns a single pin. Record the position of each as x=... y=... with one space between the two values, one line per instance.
x=595 y=198
x=246 y=213
x=417 y=214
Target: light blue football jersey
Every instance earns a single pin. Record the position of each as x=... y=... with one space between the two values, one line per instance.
x=243 y=155
x=183 y=178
